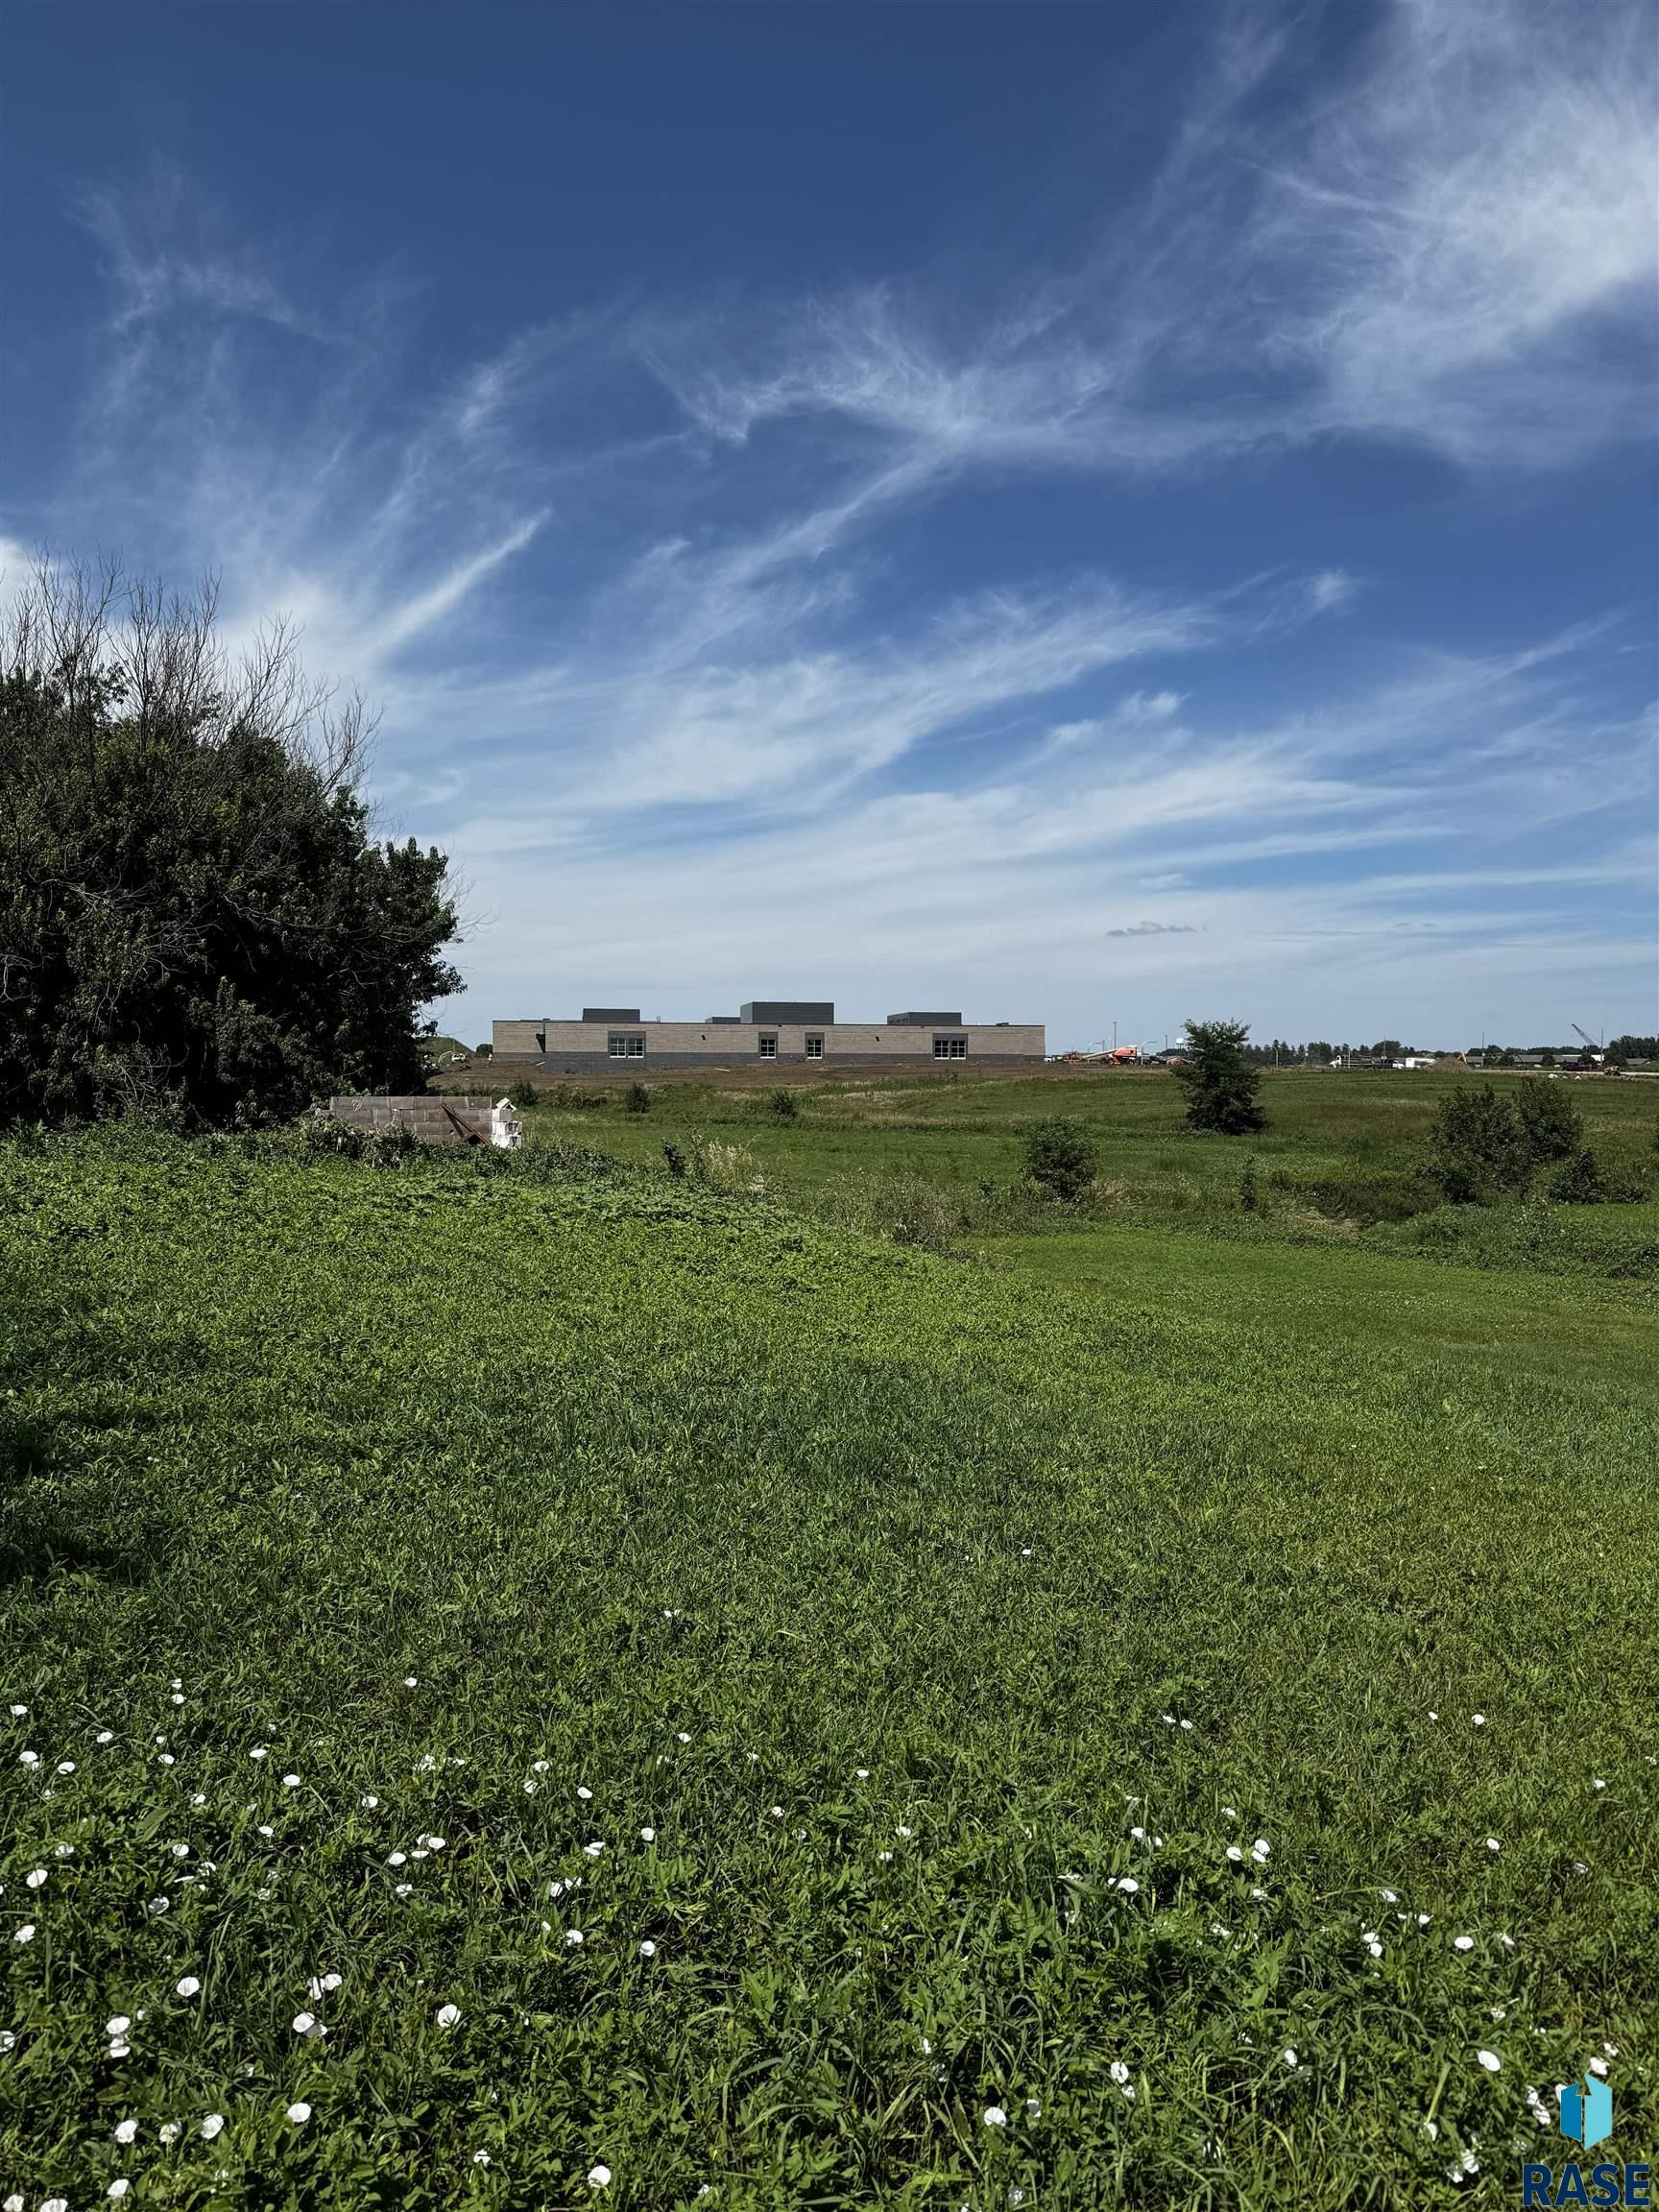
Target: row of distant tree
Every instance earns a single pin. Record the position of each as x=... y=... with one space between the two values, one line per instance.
x=1279 y=1053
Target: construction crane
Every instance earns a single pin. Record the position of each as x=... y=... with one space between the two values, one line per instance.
x=1588 y=1039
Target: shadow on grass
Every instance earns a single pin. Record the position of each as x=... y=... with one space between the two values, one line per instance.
x=39 y=1538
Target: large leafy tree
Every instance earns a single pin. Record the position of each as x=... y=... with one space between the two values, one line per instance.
x=194 y=917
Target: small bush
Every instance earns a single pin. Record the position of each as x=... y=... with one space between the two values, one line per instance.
x=1549 y=1119
x=1479 y=1147
x=783 y=1106
x=1060 y=1155
x=1579 y=1181
x=483 y=1051
x=523 y=1095
x=674 y=1159
x=1249 y=1198
x=636 y=1099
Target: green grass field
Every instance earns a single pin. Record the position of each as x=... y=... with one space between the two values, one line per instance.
x=1130 y=1720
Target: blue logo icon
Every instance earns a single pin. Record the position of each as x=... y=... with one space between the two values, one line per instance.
x=1586 y=2109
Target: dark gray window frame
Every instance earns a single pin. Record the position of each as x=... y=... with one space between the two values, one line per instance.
x=950 y=1047
x=766 y=1044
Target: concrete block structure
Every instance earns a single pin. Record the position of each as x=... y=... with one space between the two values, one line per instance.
x=436 y=1120
x=785 y=1032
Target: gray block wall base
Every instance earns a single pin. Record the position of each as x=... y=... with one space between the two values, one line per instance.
x=895 y=1064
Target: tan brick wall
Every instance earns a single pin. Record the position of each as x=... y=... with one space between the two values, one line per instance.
x=669 y=1042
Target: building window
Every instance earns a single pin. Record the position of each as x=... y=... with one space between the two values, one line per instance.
x=814 y=1048
x=950 y=1047
x=627 y=1045
x=768 y=1048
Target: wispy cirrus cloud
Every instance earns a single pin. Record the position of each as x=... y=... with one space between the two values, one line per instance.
x=631 y=587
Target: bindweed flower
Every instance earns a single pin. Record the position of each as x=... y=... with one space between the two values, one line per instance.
x=599 y=2177
x=1128 y=1884
x=1463 y=1942
x=370 y=1804
x=188 y=1986
x=448 y=2015
x=19 y=1712
x=1291 y=2060
x=299 y=2113
x=1490 y=2061
x=410 y=1681
x=212 y=2127
x=25 y=1934
x=574 y=1938
x=36 y=1877
x=404 y=1889
x=28 y=1757
x=170 y=2131
x=1477 y=1719
x=1234 y=1855
x=647 y=1835
x=584 y=1793
x=105 y=1736
x=592 y=1850
x=260 y=1751
x=126 y=2130
x=995 y=2116
x=1119 y=2072
x=480 y=2158
x=1493 y=1845
x=118 y=2188
x=647 y=1949
x=290 y=1781
x=1033 y=2108
x=304 y=2023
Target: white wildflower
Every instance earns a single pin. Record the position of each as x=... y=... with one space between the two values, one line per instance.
x=187 y=1987
x=299 y=2113
x=448 y=2015
x=599 y=2177
x=995 y=2116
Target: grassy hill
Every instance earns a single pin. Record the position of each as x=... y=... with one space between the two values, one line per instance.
x=839 y=1727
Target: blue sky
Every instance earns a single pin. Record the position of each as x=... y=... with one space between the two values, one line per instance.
x=1083 y=513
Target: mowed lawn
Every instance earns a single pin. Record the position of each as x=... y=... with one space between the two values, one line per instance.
x=535 y=1691
x=1514 y=1324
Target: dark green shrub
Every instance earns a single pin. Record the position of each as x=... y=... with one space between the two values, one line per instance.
x=783 y=1106
x=1248 y=1196
x=636 y=1099
x=483 y=1051
x=1478 y=1149
x=523 y=1095
x=1219 y=1082
x=674 y=1159
x=1549 y=1120
x=1579 y=1181
x=1060 y=1156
